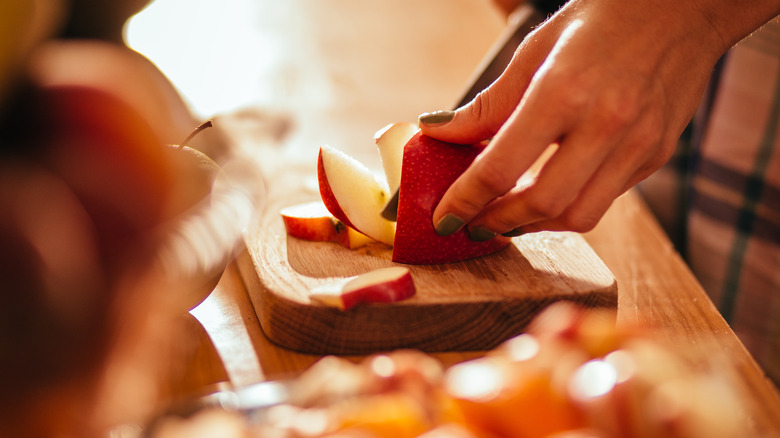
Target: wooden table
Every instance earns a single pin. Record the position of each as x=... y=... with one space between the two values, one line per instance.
x=339 y=70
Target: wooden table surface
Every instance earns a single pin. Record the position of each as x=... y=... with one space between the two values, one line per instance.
x=336 y=71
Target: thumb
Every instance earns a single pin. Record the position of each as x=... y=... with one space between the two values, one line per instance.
x=479 y=119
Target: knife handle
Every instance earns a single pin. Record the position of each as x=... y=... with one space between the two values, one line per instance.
x=521 y=22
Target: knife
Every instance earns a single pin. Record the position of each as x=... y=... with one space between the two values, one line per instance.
x=521 y=22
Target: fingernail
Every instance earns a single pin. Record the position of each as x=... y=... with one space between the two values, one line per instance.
x=481 y=234
x=448 y=225
x=436 y=118
x=513 y=233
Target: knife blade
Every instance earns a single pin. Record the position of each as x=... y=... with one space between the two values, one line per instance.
x=520 y=23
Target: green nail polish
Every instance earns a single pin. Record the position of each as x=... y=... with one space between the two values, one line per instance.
x=513 y=233
x=481 y=234
x=436 y=118
x=448 y=225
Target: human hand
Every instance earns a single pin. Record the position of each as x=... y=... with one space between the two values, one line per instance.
x=612 y=83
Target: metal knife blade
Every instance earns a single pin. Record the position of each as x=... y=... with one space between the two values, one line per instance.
x=520 y=23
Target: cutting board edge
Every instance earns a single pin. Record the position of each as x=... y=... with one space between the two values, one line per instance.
x=455 y=337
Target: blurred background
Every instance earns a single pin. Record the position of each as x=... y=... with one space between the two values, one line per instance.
x=340 y=70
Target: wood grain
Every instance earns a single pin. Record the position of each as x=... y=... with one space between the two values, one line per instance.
x=471 y=305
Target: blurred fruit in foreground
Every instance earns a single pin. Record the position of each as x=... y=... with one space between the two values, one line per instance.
x=52 y=293
x=100 y=19
x=574 y=374
x=90 y=192
x=23 y=25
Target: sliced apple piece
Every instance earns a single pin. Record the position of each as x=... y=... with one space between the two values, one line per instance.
x=385 y=285
x=390 y=141
x=309 y=221
x=312 y=221
x=430 y=166
x=353 y=194
x=351 y=238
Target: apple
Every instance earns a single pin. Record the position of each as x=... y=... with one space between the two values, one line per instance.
x=385 y=285
x=429 y=167
x=390 y=141
x=122 y=72
x=312 y=221
x=94 y=125
x=98 y=19
x=100 y=116
x=354 y=194
x=24 y=24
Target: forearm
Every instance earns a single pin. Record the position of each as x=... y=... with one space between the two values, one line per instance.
x=731 y=21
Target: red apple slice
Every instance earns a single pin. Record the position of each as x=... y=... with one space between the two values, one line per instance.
x=386 y=285
x=429 y=167
x=309 y=221
x=312 y=221
x=353 y=194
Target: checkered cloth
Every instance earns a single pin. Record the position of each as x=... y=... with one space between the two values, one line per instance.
x=719 y=196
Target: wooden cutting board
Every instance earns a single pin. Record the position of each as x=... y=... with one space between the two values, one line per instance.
x=472 y=305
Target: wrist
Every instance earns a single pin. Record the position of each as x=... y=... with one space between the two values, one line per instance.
x=727 y=22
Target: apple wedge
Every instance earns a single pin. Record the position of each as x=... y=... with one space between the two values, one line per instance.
x=429 y=167
x=390 y=141
x=425 y=170
x=386 y=285
x=353 y=194
x=312 y=221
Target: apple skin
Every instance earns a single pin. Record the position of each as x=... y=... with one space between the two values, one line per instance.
x=110 y=157
x=429 y=167
x=328 y=198
x=308 y=222
x=386 y=285
x=312 y=221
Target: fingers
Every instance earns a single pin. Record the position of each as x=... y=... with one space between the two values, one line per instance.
x=519 y=139
x=497 y=169
x=633 y=158
x=481 y=118
x=575 y=82
x=476 y=121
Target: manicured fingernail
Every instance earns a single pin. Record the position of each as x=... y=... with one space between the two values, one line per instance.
x=513 y=233
x=436 y=118
x=480 y=234
x=448 y=225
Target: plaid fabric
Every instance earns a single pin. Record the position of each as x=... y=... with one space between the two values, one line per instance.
x=719 y=196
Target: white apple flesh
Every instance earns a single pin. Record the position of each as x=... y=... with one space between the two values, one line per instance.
x=425 y=169
x=386 y=285
x=390 y=141
x=353 y=194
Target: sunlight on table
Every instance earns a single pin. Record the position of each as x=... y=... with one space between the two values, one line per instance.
x=221 y=55
x=383 y=61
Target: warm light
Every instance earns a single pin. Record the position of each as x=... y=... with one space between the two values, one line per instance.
x=383 y=366
x=220 y=54
x=522 y=347
x=624 y=364
x=474 y=380
x=593 y=379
